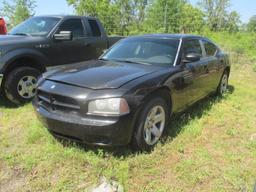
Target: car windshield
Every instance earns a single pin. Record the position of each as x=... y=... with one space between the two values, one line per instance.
x=35 y=26
x=149 y=51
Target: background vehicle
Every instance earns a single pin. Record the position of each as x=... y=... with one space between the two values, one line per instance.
x=47 y=41
x=143 y=80
x=3 y=28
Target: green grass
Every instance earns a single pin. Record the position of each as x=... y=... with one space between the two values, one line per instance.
x=254 y=67
x=211 y=147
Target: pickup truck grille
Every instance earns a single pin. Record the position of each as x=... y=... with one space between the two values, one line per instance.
x=52 y=102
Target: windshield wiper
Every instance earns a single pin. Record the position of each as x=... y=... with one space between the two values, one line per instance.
x=129 y=61
x=22 y=34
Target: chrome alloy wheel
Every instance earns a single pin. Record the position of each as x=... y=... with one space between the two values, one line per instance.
x=154 y=125
x=27 y=87
x=224 y=84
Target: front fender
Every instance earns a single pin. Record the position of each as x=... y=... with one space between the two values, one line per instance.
x=8 y=58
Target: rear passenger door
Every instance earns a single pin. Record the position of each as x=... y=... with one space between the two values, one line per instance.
x=210 y=52
x=96 y=40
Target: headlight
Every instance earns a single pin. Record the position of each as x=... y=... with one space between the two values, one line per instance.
x=114 y=106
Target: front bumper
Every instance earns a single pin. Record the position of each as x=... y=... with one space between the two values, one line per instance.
x=1 y=79
x=103 y=131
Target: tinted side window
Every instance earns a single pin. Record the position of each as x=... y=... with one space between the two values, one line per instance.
x=95 y=28
x=192 y=46
x=73 y=25
x=210 y=49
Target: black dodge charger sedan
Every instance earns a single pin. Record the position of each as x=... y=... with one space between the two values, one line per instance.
x=130 y=92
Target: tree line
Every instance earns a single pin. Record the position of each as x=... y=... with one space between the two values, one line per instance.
x=126 y=17
x=164 y=16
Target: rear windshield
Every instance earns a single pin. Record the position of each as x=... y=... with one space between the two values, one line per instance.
x=151 y=51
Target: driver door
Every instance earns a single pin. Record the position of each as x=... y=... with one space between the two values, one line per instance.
x=74 y=50
x=189 y=81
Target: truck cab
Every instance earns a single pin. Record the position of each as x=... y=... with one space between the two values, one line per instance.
x=46 y=41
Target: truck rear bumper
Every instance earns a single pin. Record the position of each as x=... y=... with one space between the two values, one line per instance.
x=1 y=79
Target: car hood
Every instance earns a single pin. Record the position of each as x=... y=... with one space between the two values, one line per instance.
x=101 y=74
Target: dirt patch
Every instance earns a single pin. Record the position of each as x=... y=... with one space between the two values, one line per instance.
x=11 y=179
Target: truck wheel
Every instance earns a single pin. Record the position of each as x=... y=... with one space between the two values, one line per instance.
x=20 y=84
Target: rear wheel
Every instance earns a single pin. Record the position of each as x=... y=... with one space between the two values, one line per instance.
x=151 y=124
x=223 y=86
x=20 y=84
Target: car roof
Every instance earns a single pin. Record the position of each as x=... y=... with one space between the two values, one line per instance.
x=172 y=36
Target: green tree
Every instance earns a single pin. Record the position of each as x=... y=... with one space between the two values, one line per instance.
x=252 y=24
x=125 y=16
x=164 y=15
x=192 y=19
x=17 y=11
x=232 y=22
x=105 y=10
x=216 y=13
x=118 y=16
x=138 y=13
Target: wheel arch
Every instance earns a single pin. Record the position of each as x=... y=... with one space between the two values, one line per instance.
x=24 y=61
x=163 y=92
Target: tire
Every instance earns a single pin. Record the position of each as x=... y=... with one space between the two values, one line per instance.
x=21 y=80
x=223 y=85
x=140 y=140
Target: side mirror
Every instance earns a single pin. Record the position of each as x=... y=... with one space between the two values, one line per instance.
x=63 y=36
x=191 y=57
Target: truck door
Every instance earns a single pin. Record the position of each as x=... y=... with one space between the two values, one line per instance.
x=75 y=50
x=97 y=41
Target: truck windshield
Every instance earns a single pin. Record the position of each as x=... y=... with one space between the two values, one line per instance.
x=35 y=26
x=144 y=50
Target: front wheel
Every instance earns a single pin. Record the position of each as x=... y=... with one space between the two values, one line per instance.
x=151 y=124
x=20 y=84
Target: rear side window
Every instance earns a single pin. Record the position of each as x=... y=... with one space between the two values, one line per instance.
x=210 y=49
x=95 y=28
x=192 y=46
x=73 y=25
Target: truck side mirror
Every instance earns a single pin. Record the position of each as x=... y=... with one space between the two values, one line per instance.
x=63 y=36
x=191 y=57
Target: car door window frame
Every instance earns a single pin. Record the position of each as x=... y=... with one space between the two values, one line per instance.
x=85 y=34
x=204 y=48
x=184 y=41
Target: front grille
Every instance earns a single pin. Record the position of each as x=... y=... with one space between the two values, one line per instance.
x=53 y=102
